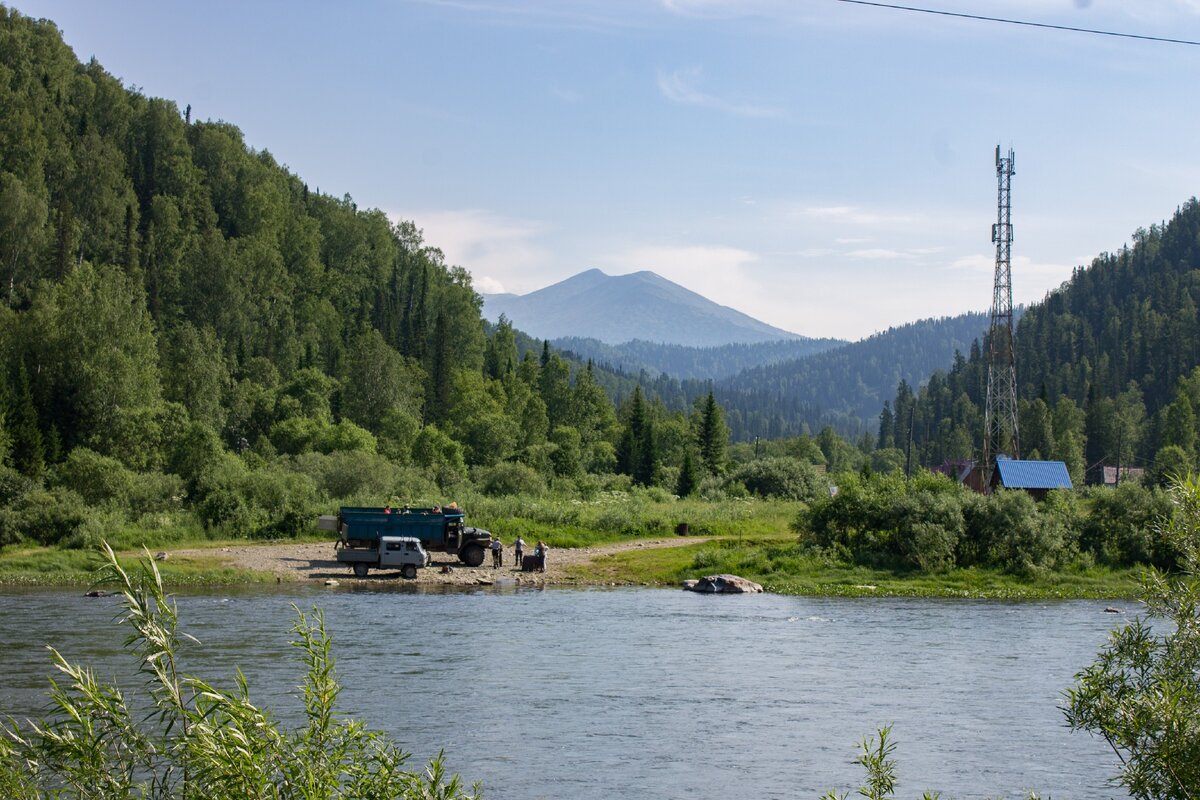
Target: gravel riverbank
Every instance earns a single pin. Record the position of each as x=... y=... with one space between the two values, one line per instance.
x=318 y=562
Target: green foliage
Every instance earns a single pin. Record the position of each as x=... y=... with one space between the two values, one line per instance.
x=1122 y=527
x=43 y=516
x=689 y=476
x=933 y=524
x=1142 y=694
x=261 y=503
x=199 y=740
x=99 y=479
x=712 y=435
x=341 y=475
x=780 y=477
x=509 y=478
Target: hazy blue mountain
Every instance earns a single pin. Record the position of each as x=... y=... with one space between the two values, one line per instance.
x=683 y=362
x=620 y=308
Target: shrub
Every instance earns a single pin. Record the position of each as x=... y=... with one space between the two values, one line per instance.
x=345 y=436
x=1142 y=694
x=98 y=479
x=1121 y=529
x=155 y=492
x=1009 y=534
x=46 y=516
x=780 y=477
x=509 y=478
x=929 y=526
x=340 y=475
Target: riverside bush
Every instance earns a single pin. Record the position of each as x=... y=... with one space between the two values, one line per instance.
x=1121 y=528
x=97 y=478
x=933 y=524
x=780 y=477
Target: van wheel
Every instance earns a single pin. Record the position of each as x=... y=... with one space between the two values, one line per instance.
x=471 y=555
x=360 y=570
x=409 y=571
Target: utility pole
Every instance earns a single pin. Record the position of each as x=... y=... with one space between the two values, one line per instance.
x=1000 y=414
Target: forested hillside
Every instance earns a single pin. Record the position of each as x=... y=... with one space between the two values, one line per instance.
x=187 y=326
x=1106 y=366
x=843 y=387
x=692 y=363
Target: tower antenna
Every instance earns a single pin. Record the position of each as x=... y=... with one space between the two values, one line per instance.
x=1000 y=415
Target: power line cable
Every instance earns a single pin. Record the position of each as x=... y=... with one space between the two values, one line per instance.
x=1025 y=23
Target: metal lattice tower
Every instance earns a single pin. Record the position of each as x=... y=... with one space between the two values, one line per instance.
x=1000 y=415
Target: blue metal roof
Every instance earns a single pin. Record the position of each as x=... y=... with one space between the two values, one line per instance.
x=1033 y=474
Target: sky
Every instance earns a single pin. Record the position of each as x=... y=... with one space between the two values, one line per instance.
x=823 y=166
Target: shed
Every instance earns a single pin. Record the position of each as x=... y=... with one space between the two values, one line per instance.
x=1035 y=477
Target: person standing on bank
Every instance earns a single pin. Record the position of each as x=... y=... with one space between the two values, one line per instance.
x=541 y=554
x=497 y=552
x=518 y=551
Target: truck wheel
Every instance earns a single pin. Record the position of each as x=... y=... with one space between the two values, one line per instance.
x=360 y=570
x=471 y=555
x=409 y=571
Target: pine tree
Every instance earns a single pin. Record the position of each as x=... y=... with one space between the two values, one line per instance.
x=712 y=436
x=689 y=476
x=28 y=451
x=887 y=427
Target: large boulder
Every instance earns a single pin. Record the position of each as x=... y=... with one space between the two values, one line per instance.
x=722 y=584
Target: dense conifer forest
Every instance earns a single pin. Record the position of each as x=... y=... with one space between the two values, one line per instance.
x=1107 y=368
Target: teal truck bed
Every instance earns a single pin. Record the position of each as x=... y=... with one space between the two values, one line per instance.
x=441 y=530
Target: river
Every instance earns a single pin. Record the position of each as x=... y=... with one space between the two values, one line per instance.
x=646 y=693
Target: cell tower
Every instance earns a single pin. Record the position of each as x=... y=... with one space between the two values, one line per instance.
x=1000 y=415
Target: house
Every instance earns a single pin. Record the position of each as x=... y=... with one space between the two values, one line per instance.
x=965 y=471
x=1035 y=477
x=1128 y=475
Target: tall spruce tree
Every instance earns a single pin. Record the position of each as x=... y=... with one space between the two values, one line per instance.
x=712 y=436
x=28 y=451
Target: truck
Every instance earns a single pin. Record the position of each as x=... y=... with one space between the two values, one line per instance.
x=403 y=552
x=440 y=530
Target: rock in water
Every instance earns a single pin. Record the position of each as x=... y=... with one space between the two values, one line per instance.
x=722 y=584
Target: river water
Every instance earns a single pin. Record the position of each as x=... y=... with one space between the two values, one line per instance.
x=646 y=693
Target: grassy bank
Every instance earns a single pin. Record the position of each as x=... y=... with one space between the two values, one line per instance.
x=52 y=566
x=747 y=537
x=784 y=567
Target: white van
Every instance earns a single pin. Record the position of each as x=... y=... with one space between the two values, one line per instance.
x=395 y=552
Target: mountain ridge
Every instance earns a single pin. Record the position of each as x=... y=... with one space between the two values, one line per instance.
x=642 y=305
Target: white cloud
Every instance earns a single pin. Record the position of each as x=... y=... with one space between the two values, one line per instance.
x=488 y=285
x=680 y=87
x=877 y=253
x=499 y=251
x=852 y=215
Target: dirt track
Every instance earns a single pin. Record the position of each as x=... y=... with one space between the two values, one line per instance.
x=317 y=562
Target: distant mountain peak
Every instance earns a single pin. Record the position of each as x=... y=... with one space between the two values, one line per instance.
x=619 y=308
